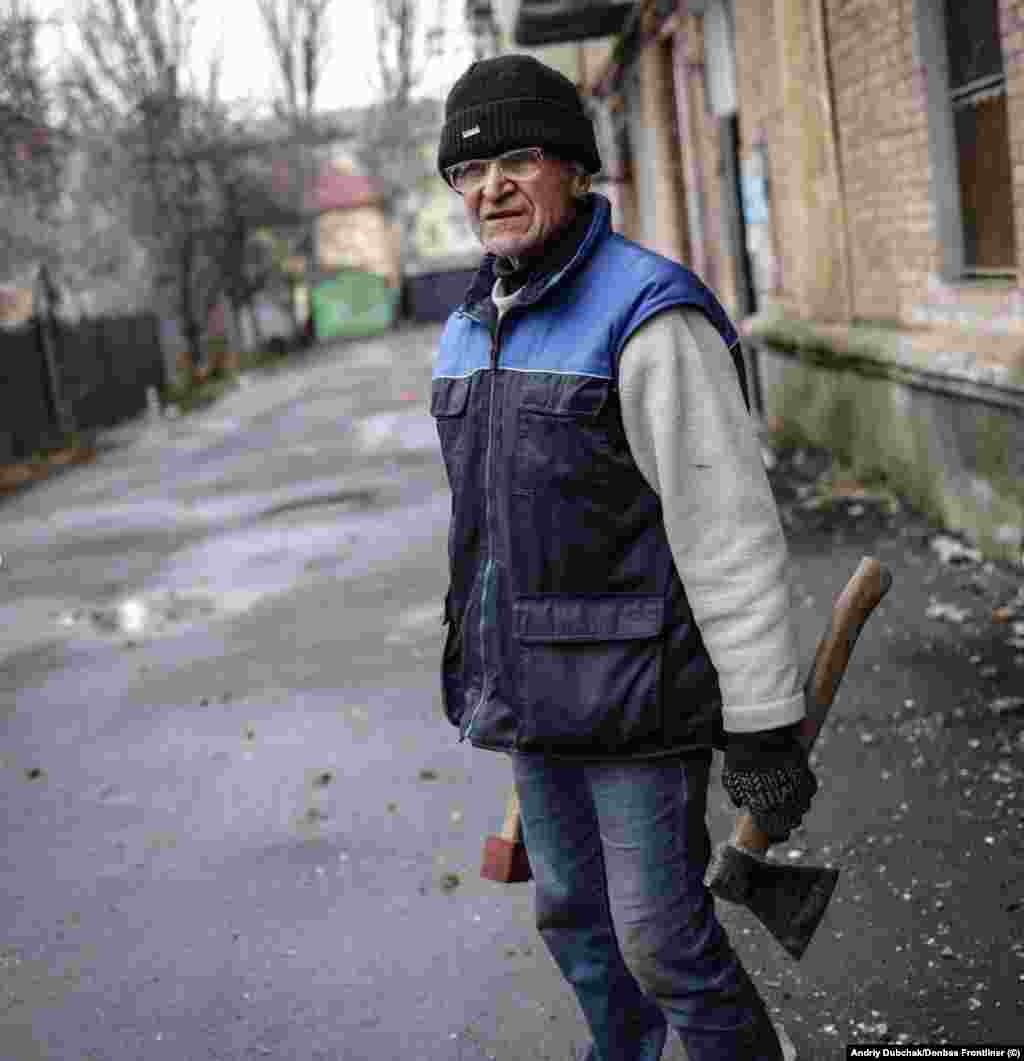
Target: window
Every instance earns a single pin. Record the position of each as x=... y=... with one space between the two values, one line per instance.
x=977 y=97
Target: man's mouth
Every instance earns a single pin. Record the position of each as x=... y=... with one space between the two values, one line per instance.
x=501 y=215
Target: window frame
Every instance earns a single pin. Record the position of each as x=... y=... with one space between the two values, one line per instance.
x=945 y=171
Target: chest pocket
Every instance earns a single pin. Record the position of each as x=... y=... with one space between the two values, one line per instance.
x=569 y=437
x=449 y=399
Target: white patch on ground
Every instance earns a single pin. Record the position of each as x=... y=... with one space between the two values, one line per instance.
x=154 y=613
x=423 y=616
x=951 y=612
x=953 y=552
x=409 y=430
x=38 y=620
x=415 y=624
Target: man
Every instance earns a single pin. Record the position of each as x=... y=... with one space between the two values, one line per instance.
x=618 y=584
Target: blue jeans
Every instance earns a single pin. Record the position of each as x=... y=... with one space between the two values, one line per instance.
x=619 y=852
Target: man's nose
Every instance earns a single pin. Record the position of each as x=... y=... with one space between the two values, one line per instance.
x=494 y=181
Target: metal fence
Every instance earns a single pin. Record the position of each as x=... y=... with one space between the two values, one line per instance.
x=102 y=369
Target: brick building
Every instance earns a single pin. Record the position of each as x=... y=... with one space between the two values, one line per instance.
x=848 y=175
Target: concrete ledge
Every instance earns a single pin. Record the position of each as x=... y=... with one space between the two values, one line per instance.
x=940 y=420
x=959 y=363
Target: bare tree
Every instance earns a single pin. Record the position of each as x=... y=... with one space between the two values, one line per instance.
x=130 y=89
x=410 y=40
x=255 y=226
x=483 y=27
x=297 y=33
x=31 y=153
x=397 y=25
x=400 y=127
x=298 y=36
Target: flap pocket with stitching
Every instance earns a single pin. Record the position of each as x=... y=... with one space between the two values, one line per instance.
x=448 y=397
x=565 y=439
x=572 y=396
x=449 y=400
x=589 y=670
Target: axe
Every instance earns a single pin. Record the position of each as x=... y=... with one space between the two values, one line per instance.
x=788 y=900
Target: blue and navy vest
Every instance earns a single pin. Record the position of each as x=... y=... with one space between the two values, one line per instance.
x=569 y=632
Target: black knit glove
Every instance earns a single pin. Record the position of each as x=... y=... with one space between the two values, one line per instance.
x=767 y=773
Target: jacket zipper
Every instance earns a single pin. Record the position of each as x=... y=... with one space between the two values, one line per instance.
x=489 y=567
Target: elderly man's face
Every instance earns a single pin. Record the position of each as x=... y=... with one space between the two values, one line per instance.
x=515 y=219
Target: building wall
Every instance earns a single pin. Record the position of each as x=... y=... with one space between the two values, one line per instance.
x=643 y=164
x=845 y=386
x=787 y=126
x=758 y=92
x=1011 y=13
x=615 y=179
x=889 y=162
x=882 y=115
x=705 y=169
x=657 y=160
x=893 y=168
x=994 y=306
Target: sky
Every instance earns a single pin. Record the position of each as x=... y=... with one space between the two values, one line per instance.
x=347 y=81
x=248 y=71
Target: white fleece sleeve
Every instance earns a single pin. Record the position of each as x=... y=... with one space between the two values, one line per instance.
x=696 y=445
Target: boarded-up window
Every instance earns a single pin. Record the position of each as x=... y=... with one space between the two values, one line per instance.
x=977 y=84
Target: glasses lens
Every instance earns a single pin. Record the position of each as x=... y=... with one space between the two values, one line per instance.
x=470 y=174
x=521 y=165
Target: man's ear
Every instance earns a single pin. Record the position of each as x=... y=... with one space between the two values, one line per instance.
x=581 y=185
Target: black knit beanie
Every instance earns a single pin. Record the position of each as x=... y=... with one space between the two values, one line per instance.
x=515 y=101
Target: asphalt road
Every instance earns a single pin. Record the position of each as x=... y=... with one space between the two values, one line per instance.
x=238 y=826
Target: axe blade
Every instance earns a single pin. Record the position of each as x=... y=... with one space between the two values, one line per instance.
x=788 y=900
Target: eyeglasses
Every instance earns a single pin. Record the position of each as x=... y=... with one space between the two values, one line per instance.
x=520 y=165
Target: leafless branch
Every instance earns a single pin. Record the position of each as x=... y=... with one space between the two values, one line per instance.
x=297 y=33
x=30 y=155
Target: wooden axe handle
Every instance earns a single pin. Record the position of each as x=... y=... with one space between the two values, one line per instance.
x=512 y=827
x=867 y=586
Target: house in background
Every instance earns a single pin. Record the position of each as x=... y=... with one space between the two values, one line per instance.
x=356 y=283
x=850 y=179
x=353 y=226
